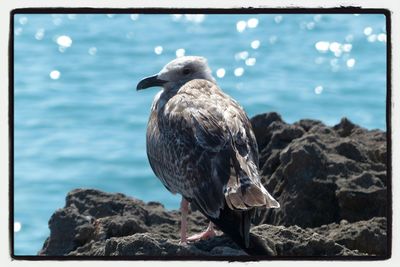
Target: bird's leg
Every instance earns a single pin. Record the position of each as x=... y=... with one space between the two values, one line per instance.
x=208 y=233
x=184 y=212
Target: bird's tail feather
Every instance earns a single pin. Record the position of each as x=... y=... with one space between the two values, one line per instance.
x=236 y=224
x=244 y=189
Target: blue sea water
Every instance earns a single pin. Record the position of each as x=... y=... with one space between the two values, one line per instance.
x=79 y=121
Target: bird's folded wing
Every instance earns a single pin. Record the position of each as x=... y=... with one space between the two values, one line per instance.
x=215 y=129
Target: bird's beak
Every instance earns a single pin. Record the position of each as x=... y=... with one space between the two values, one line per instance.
x=150 y=82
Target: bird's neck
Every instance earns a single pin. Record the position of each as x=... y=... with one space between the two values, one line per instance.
x=162 y=98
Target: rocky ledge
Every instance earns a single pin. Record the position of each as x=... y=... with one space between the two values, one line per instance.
x=330 y=182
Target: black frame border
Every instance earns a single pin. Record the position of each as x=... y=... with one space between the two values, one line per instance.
x=249 y=10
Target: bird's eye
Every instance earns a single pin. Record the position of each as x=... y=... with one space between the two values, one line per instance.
x=186 y=71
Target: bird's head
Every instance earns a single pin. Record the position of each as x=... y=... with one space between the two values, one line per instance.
x=178 y=72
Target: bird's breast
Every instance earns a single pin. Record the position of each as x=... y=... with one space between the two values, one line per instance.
x=166 y=150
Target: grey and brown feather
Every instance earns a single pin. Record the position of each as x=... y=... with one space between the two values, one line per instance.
x=200 y=144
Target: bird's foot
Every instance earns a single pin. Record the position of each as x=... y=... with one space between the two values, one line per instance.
x=183 y=243
x=209 y=233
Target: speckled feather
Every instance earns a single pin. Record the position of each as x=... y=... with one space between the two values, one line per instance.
x=200 y=144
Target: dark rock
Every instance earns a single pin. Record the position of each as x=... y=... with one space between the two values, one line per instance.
x=143 y=244
x=263 y=123
x=118 y=236
x=355 y=205
x=365 y=236
x=68 y=228
x=307 y=124
x=78 y=229
x=345 y=127
x=350 y=150
x=295 y=241
x=321 y=174
x=123 y=226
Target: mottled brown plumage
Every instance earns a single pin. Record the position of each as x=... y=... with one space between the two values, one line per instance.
x=200 y=144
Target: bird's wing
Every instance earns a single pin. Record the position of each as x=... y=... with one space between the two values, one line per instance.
x=221 y=148
x=194 y=115
x=244 y=189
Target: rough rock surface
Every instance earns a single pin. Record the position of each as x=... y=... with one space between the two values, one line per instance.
x=321 y=174
x=330 y=182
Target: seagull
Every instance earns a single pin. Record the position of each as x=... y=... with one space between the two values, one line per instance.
x=201 y=145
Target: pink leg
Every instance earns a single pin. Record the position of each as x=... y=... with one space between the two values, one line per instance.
x=184 y=212
x=208 y=233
